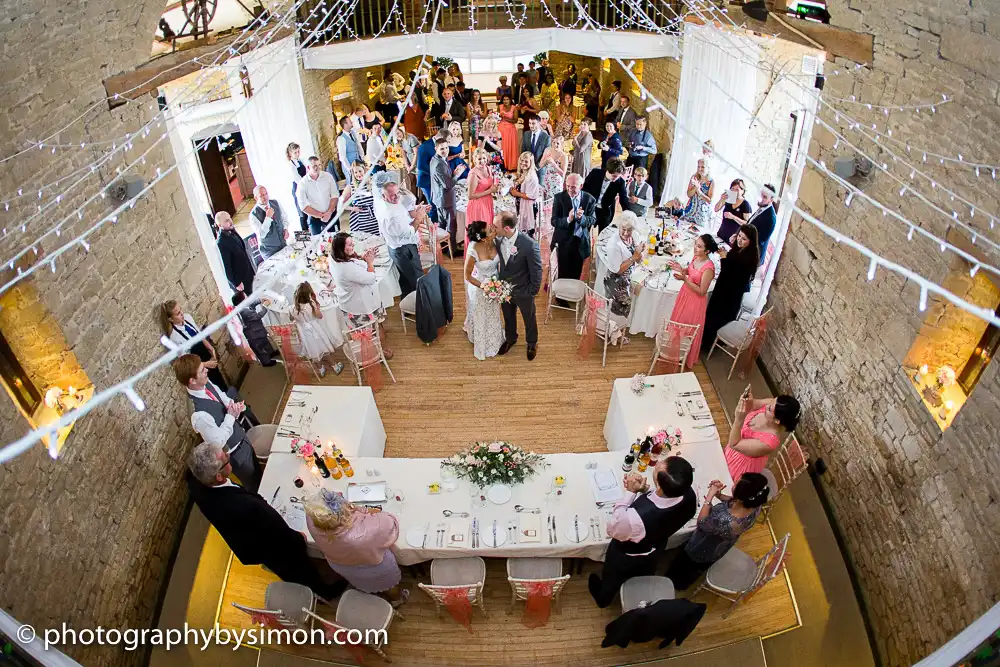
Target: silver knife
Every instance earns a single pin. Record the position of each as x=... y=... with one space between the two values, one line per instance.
x=274 y=497
x=576 y=526
x=494 y=532
x=427 y=529
x=555 y=533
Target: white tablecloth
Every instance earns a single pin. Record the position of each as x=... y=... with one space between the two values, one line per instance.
x=347 y=416
x=419 y=508
x=630 y=416
x=658 y=290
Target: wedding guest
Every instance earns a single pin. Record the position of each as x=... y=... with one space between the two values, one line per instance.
x=456 y=151
x=438 y=86
x=611 y=147
x=759 y=428
x=298 y=171
x=476 y=112
x=236 y=260
x=482 y=187
x=529 y=107
x=503 y=90
x=543 y=123
x=640 y=193
x=516 y=76
x=268 y=222
x=462 y=94
x=736 y=269
x=362 y=207
x=623 y=253
x=220 y=418
x=527 y=191
x=700 y=190
x=357 y=542
x=318 y=196
x=408 y=146
x=455 y=75
x=443 y=181
x=533 y=74
x=315 y=339
x=255 y=532
x=366 y=121
x=398 y=227
x=568 y=85
x=626 y=118
x=535 y=141
x=641 y=144
x=544 y=70
x=425 y=154
x=582 y=147
x=448 y=109
x=691 y=303
x=413 y=115
x=508 y=133
x=180 y=327
x=549 y=96
x=255 y=331
x=719 y=527
x=573 y=216
x=764 y=219
x=564 y=117
x=375 y=150
x=348 y=145
x=592 y=96
x=554 y=167
x=606 y=185
x=642 y=522
x=490 y=139
x=614 y=103
x=388 y=97
x=357 y=285
x=522 y=89
x=735 y=213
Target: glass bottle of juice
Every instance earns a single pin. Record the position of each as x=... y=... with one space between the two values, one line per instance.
x=346 y=466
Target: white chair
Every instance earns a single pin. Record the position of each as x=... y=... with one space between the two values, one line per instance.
x=285 y=605
x=737 y=576
x=435 y=237
x=522 y=573
x=408 y=306
x=260 y=438
x=736 y=336
x=353 y=350
x=569 y=290
x=360 y=611
x=456 y=574
x=673 y=343
x=785 y=466
x=608 y=328
x=647 y=589
x=285 y=338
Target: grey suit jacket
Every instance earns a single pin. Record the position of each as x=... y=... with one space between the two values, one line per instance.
x=442 y=183
x=544 y=141
x=524 y=270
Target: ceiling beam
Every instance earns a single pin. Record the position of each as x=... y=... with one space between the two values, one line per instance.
x=192 y=57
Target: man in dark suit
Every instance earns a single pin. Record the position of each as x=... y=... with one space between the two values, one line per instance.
x=443 y=192
x=626 y=119
x=604 y=185
x=250 y=526
x=448 y=109
x=573 y=214
x=235 y=258
x=425 y=155
x=535 y=141
x=521 y=266
x=764 y=219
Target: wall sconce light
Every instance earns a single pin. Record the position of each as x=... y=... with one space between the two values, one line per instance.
x=64 y=401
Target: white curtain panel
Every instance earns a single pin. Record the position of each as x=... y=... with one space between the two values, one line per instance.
x=491 y=43
x=273 y=117
x=705 y=112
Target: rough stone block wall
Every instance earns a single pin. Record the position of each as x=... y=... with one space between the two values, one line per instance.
x=917 y=507
x=319 y=111
x=662 y=77
x=86 y=539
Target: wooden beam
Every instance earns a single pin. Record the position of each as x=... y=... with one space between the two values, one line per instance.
x=856 y=46
x=191 y=57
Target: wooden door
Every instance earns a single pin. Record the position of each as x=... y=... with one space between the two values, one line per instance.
x=213 y=171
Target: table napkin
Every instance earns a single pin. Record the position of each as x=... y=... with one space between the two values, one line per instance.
x=528 y=523
x=458 y=534
x=604 y=495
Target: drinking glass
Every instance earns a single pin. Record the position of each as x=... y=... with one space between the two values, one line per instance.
x=449 y=480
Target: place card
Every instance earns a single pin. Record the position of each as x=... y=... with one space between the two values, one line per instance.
x=529 y=528
x=458 y=534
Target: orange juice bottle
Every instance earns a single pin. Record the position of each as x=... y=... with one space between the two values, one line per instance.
x=346 y=465
x=334 y=469
x=642 y=465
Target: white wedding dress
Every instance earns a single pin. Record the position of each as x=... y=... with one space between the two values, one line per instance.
x=483 y=319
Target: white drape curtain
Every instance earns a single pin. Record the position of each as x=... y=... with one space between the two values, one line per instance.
x=491 y=43
x=273 y=117
x=705 y=111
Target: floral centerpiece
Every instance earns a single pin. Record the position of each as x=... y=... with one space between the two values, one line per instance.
x=656 y=441
x=305 y=449
x=487 y=463
x=393 y=157
x=497 y=290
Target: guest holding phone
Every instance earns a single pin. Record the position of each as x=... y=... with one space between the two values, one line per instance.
x=759 y=428
x=735 y=210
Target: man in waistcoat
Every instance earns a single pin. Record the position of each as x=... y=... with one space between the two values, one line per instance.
x=269 y=222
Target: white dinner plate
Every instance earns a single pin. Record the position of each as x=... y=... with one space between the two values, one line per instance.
x=498 y=494
x=486 y=533
x=415 y=537
x=584 y=529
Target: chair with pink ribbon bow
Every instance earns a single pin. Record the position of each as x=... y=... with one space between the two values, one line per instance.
x=597 y=323
x=457 y=584
x=365 y=613
x=285 y=337
x=537 y=581
x=363 y=350
x=673 y=342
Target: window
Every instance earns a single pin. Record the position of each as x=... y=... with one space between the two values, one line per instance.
x=17 y=381
x=984 y=351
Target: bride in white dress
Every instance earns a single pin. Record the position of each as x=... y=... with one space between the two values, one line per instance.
x=483 y=319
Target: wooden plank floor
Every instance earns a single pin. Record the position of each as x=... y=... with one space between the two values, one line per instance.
x=444 y=399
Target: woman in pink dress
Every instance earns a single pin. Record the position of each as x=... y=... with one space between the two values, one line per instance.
x=692 y=299
x=508 y=133
x=759 y=427
x=482 y=187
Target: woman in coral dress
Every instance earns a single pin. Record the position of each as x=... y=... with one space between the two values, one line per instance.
x=508 y=133
x=482 y=187
x=692 y=299
x=759 y=427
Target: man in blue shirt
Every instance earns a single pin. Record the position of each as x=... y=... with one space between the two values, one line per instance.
x=641 y=144
x=425 y=153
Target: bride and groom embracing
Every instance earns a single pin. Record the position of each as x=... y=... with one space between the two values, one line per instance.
x=498 y=250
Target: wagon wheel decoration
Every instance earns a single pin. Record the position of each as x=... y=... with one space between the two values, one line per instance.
x=197 y=15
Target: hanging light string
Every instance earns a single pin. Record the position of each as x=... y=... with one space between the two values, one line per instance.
x=99 y=195
x=127 y=387
x=126 y=141
x=113 y=216
x=669 y=28
x=926 y=286
x=886 y=108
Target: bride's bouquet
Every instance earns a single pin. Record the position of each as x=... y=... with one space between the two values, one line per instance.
x=497 y=290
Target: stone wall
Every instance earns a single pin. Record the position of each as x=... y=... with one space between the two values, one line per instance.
x=917 y=507
x=86 y=538
x=319 y=111
x=662 y=77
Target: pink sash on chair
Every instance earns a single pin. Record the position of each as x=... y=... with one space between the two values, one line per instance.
x=459 y=606
x=370 y=359
x=266 y=620
x=674 y=334
x=297 y=371
x=357 y=651
x=589 y=335
x=539 y=605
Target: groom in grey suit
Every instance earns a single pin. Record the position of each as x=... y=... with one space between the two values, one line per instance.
x=521 y=266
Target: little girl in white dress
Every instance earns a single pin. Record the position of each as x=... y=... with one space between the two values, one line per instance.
x=313 y=335
x=483 y=318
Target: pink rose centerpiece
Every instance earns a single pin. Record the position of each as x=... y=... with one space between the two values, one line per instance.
x=488 y=463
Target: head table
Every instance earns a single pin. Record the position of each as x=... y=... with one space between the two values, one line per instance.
x=658 y=287
x=346 y=416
